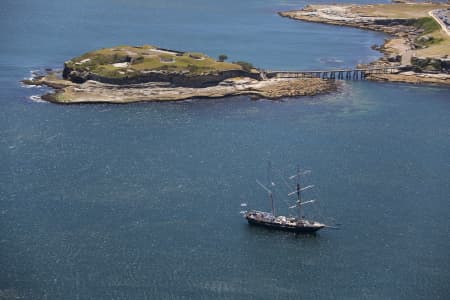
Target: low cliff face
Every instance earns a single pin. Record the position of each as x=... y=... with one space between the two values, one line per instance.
x=183 y=79
x=134 y=65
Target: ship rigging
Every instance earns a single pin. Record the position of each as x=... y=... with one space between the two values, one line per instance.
x=298 y=224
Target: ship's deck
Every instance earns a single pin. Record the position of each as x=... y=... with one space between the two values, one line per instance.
x=268 y=218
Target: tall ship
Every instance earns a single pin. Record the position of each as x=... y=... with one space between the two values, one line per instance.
x=296 y=224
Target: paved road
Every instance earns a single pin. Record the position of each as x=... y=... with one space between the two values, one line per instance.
x=444 y=27
x=406 y=58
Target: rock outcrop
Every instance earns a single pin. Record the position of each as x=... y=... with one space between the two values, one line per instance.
x=67 y=92
x=124 y=65
x=127 y=74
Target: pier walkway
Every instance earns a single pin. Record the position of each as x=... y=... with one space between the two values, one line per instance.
x=340 y=74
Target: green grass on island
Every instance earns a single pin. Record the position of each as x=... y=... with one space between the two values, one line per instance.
x=129 y=61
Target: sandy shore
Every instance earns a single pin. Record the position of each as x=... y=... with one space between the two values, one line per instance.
x=67 y=92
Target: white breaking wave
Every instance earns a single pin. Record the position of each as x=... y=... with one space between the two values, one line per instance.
x=37 y=98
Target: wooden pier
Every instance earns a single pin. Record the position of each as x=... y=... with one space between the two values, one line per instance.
x=339 y=74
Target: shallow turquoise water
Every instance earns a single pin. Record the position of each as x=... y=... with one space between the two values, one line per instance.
x=142 y=201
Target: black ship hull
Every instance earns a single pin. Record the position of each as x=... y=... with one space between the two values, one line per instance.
x=284 y=227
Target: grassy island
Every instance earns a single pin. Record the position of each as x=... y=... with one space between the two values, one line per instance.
x=140 y=64
x=126 y=74
x=129 y=61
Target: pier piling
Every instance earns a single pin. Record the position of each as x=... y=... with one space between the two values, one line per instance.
x=339 y=74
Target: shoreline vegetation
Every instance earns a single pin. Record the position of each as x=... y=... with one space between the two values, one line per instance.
x=418 y=47
x=419 y=43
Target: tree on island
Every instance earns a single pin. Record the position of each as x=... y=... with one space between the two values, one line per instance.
x=223 y=57
x=246 y=66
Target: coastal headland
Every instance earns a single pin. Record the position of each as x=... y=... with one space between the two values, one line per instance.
x=417 y=51
x=419 y=42
x=126 y=74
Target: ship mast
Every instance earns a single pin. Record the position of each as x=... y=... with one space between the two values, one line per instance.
x=299 y=190
x=271 y=203
x=299 y=194
x=271 y=184
x=269 y=192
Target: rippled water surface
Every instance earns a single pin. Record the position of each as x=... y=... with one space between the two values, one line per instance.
x=142 y=201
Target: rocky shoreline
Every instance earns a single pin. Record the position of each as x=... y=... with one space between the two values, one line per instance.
x=125 y=74
x=398 y=50
x=68 y=92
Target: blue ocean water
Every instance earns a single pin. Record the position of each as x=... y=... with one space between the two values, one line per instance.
x=142 y=201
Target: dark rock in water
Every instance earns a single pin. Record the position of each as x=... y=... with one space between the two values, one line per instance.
x=28 y=82
x=376 y=47
x=50 y=97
